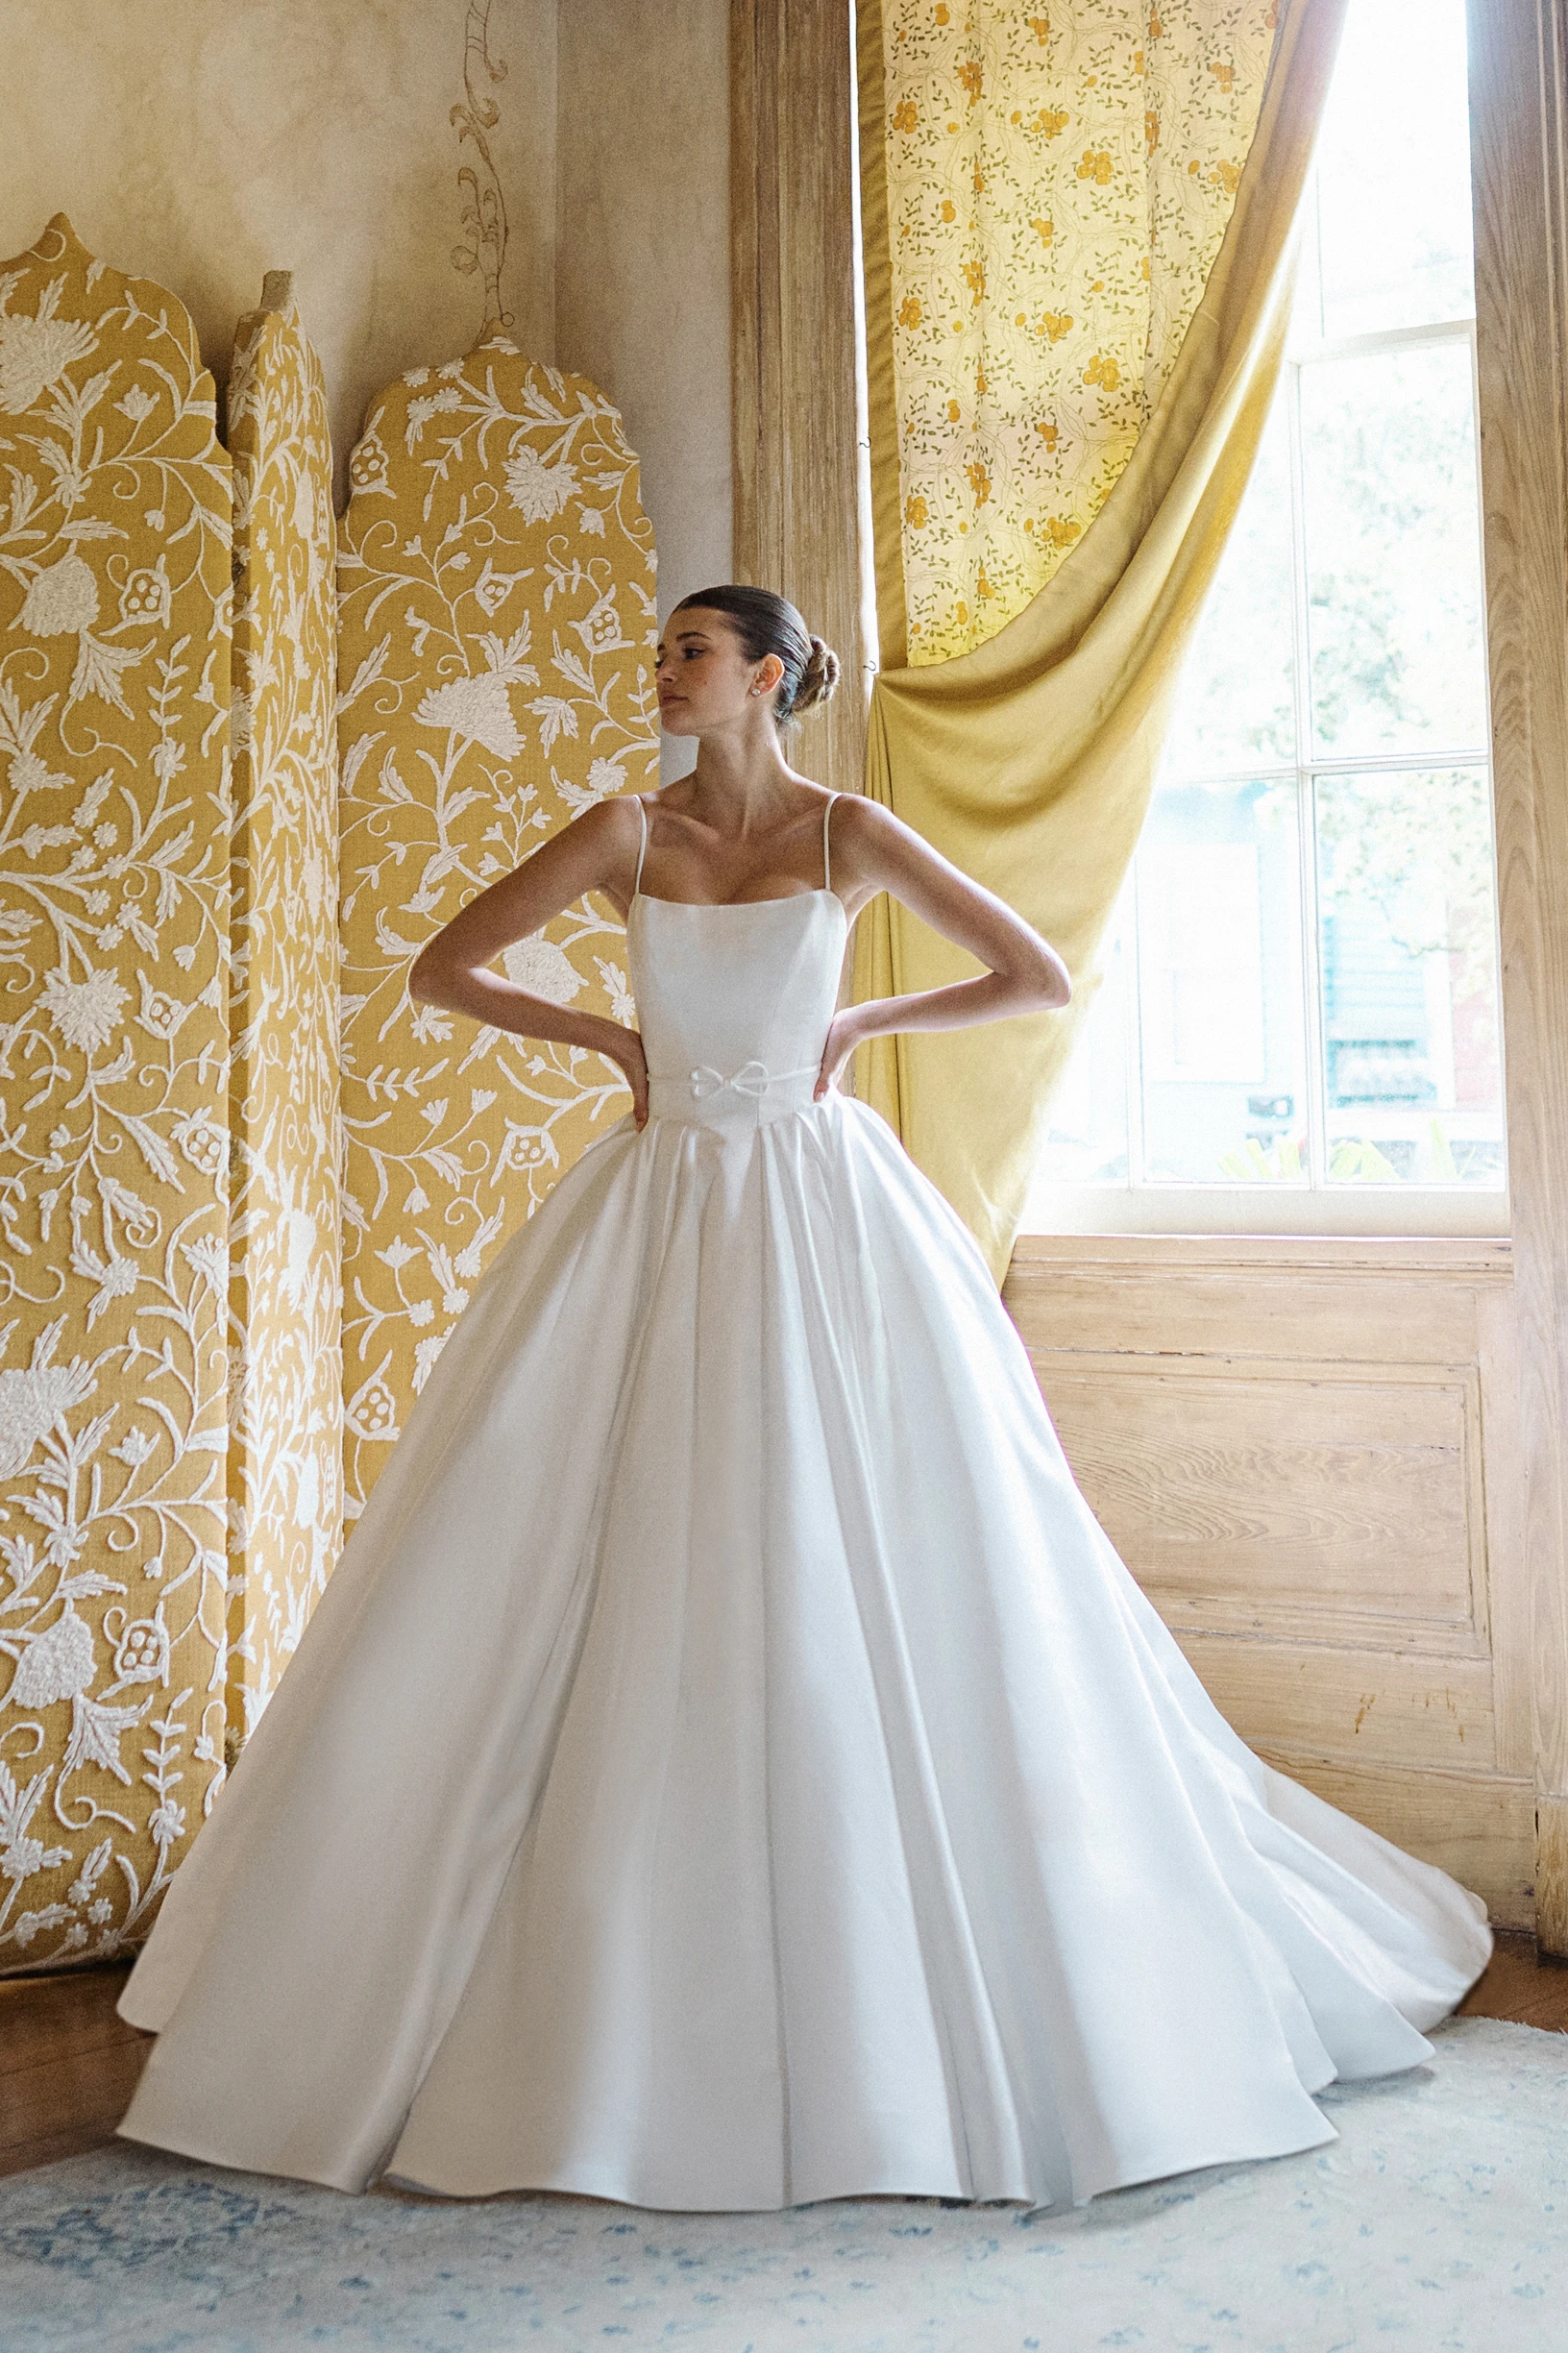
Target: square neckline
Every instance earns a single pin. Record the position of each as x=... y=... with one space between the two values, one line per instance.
x=825 y=890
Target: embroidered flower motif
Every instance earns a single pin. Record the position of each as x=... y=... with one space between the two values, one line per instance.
x=536 y=488
x=167 y=1824
x=543 y=969
x=527 y=1147
x=371 y=1411
x=32 y=1402
x=146 y=596
x=141 y=1653
x=161 y=1015
x=60 y=600
x=35 y=352
x=56 y=1665
x=477 y=708
x=368 y=466
x=203 y=1142
x=86 y=1013
x=139 y=404
x=600 y=628
x=427 y=405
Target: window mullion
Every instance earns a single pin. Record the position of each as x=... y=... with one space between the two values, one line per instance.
x=1317 y=1155
x=1136 y=1171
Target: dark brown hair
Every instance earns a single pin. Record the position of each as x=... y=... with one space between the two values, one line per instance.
x=765 y=624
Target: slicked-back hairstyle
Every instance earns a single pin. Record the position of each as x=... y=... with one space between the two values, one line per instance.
x=765 y=624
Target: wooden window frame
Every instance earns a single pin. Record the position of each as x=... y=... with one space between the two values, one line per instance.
x=1519 y=112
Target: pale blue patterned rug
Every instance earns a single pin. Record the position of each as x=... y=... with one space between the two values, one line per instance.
x=1437 y=2223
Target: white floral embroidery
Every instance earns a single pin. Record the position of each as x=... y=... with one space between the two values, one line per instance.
x=35 y=352
x=536 y=488
x=57 y=1664
x=477 y=709
x=480 y=587
x=114 y=921
x=33 y=1401
x=86 y=1013
x=61 y=599
x=543 y=969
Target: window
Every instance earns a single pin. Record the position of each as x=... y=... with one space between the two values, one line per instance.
x=1298 y=1024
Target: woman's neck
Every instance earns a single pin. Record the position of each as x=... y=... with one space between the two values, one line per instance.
x=742 y=782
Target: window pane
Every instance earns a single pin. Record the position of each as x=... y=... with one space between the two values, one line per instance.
x=1088 y=1140
x=1235 y=704
x=1392 y=551
x=1220 y=986
x=1412 y=1067
x=1393 y=172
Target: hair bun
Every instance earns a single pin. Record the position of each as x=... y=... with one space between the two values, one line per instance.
x=820 y=676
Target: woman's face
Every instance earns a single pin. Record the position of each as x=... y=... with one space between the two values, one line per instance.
x=704 y=677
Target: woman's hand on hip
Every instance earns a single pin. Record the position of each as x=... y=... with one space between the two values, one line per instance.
x=631 y=1059
x=843 y=1035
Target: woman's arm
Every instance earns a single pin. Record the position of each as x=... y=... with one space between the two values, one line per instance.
x=597 y=852
x=873 y=851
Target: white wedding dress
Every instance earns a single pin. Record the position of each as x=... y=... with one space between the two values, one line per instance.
x=730 y=1766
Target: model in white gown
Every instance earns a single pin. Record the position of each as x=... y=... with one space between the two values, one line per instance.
x=730 y=1766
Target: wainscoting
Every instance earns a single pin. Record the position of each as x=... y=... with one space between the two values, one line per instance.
x=1307 y=1452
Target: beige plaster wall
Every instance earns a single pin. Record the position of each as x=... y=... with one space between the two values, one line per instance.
x=202 y=145
x=642 y=260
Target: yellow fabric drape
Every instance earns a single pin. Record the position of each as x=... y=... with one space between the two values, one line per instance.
x=1030 y=762
x=1051 y=194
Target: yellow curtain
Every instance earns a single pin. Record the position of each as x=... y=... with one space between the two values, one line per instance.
x=1028 y=757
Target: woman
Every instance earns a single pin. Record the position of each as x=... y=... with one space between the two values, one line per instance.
x=730 y=1766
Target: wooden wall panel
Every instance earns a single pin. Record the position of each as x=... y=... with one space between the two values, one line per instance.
x=1307 y=1452
x=1309 y=1498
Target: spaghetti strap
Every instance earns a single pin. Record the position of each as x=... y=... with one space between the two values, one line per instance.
x=642 y=851
x=827 y=855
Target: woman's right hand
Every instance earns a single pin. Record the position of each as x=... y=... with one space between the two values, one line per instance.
x=628 y=1055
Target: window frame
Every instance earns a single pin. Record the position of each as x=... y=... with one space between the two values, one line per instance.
x=1314 y=1206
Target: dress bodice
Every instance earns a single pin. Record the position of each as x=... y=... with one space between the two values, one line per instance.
x=734 y=1003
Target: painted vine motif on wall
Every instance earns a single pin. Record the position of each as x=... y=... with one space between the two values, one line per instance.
x=496 y=623
x=114 y=690
x=285 y=1368
x=1059 y=181
x=481 y=198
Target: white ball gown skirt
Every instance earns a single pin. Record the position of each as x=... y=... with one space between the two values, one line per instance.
x=730 y=1766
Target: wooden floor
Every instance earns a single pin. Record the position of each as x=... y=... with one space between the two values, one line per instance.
x=68 y=2065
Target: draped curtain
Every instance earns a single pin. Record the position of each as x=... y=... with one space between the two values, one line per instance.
x=1078 y=242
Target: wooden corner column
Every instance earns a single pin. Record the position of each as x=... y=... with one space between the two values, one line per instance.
x=797 y=520
x=1519 y=110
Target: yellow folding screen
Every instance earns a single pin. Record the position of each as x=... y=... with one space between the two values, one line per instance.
x=114 y=656
x=285 y=1382
x=495 y=631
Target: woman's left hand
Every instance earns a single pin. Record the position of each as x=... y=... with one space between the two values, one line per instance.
x=843 y=1035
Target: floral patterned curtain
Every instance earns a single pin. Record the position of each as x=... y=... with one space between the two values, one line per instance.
x=1057 y=184
x=1052 y=485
